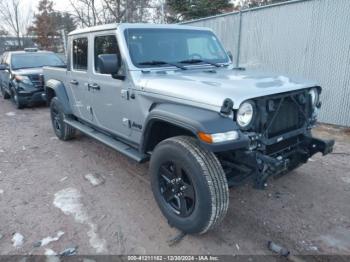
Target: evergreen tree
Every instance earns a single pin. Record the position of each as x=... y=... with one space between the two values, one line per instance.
x=47 y=25
x=182 y=10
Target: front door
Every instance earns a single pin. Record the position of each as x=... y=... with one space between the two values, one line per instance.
x=108 y=95
x=79 y=77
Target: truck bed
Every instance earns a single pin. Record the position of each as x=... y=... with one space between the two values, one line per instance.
x=55 y=73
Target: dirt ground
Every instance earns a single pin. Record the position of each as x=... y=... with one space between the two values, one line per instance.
x=56 y=195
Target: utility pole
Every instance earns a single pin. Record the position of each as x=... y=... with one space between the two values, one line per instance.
x=63 y=33
x=162 y=11
x=126 y=11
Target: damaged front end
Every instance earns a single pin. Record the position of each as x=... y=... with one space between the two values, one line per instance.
x=280 y=139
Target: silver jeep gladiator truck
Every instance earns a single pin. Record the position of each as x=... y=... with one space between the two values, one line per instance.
x=170 y=93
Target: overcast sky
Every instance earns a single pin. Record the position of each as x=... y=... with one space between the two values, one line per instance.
x=63 y=5
x=60 y=5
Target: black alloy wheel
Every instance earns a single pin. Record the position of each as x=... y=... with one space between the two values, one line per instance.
x=189 y=184
x=62 y=130
x=56 y=121
x=176 y=188
x=15 y=99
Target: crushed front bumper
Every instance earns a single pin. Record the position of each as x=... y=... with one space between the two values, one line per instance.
x=267 y=166
x=29 y=98
x=262 y=164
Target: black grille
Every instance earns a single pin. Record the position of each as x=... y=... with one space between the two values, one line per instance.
x=285 y=119
x=285 y=114
x=37 y=80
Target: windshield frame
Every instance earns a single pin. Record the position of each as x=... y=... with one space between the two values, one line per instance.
x=34 y=53
x=125 y=35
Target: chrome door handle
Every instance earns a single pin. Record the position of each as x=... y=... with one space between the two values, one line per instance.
x=74 y=82
x=94 y=86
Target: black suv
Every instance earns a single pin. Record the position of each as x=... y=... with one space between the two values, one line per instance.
x=21 y=75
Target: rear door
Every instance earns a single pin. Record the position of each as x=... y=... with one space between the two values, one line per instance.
x=110 y=97
x=79 y=76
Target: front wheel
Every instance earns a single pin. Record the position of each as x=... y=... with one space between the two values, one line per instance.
x=4 y=94
x=189 y=185
x=62 y=130
x=16 y=100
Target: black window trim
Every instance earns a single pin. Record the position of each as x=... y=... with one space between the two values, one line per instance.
x=72 y=54
x=94 y=59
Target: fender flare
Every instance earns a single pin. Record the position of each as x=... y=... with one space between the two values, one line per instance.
x=193 y=119
x=60 y=92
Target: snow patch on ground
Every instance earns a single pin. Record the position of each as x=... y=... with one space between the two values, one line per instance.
x=47 y=240
x=346 y=179
x=68 y=200
x=10 y=114
x=338 y=239
x=51 y=256
x=17 y=240
x=94 y=180
x=63 y=179
x=1 y=191
x=50 y=252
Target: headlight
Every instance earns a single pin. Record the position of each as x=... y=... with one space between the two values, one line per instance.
x=245 y=114
x=314 y=96
x=218 y=137
x=23 y=79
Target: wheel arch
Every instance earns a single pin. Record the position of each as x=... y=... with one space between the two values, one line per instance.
x=55 y=88
x=159 y=129
x=181 y=120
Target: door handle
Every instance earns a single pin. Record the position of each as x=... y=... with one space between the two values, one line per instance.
x=94 y=86
x=74 y=82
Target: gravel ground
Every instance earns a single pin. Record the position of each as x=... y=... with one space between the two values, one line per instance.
x=55 y=195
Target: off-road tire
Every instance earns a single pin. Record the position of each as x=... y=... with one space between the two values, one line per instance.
x=62 y=130
x=4 y=94
x=208 y=178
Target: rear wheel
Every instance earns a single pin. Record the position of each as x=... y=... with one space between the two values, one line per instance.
x=189 y=185
x=62 y=130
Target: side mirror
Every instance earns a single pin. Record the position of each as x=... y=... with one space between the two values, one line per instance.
x=229 y=53
x=3 y=67
x=108 y=64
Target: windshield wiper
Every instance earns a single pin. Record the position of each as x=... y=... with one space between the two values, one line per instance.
x=155 y=63
x=60 y=66
x=19 y=68
x=198 y=61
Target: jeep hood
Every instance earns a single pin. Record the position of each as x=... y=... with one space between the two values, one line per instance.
x=28 y=71
x=211 y=87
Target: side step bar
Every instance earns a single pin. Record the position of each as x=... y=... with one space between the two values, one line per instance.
x=109 y=141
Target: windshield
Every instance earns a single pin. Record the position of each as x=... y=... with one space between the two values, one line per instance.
x=161 y=47
x=32 y=60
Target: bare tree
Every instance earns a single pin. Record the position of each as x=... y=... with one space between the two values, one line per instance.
x=86 y=12
x=15 y=18
x=3 y=31
x=95 y=12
